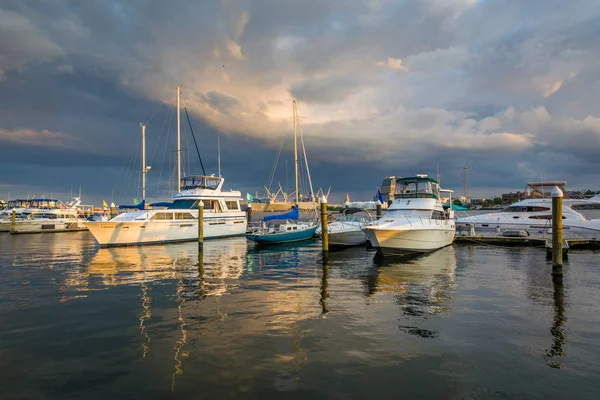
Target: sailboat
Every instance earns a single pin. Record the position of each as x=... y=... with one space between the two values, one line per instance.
x=223 y=216
x=286 y=228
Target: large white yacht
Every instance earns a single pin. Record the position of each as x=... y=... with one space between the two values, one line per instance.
x=179 y=222
x=416 y=222
x=535 y=215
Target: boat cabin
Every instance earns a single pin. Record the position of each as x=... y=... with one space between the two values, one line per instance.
x=419 y=186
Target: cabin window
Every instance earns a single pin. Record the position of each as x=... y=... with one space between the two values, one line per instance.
x=232 y=205
x=546 y=217
x=183 y=215
x=526 y=209
x=183 y=205
x=162 y=217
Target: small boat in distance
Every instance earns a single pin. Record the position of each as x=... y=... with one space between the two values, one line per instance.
x=291 y=229
x=416 y=222
x=45 y=216
x=347 y=228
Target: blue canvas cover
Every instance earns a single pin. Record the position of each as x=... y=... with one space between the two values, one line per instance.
x=140 y=206
x=289 y=215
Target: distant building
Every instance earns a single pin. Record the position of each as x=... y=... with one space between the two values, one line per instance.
x=508 y=198
x=388 y=188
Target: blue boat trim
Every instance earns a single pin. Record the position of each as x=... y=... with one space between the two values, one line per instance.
x=284 y=237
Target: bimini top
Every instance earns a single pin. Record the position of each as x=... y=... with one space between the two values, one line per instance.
x=200 y=182
x=289 y=215
x=419 y=186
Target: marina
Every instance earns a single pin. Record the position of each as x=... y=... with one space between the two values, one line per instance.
x=162 y=235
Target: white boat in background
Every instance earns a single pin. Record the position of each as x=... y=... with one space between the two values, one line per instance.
x=47 y=215
x=535 y=215
x=179 y=222
x=347 y=228
x=416 y=222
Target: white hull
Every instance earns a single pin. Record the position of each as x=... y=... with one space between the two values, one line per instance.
x=146 y=232
x=410 y=238
x=48 y=226
x=354 y=237
x=573 y=226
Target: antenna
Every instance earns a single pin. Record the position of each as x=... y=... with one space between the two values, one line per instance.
x=219 y=154
x=466 y=182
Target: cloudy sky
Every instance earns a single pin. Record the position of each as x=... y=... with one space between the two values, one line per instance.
x=509 y=88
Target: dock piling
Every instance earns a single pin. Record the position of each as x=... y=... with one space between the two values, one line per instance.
x=113 y=210
x=249 y=212
x=13 y=221
x=378 y=209
x=324 y=227
x=557 y=248
x=201 y=223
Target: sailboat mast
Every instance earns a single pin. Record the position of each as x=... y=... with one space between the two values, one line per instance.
x=219 y=154
x=295 y=149
x=143 y=161
x=178 y=137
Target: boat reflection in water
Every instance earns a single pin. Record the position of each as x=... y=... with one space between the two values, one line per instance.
x=422 y=285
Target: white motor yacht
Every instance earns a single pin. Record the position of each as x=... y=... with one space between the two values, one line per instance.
x=45 y=216
x=535 y=215
x=416 y=222
x=179 y=222
x=347 y=228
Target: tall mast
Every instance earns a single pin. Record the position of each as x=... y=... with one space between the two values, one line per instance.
x=219 y=154
x=178 y=137
x=295 y=149
x=143 y=161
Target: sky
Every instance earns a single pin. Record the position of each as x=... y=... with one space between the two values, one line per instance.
x=508 y=88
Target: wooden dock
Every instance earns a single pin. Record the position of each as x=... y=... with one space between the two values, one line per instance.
x=535 y=239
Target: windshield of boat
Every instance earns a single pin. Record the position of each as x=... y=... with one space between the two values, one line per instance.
x=200 y=182
x=416 y=188
x=352 y=218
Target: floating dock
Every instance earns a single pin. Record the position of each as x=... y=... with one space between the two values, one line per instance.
x=533 y=239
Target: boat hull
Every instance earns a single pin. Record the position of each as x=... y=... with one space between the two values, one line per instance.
x=583 y=228
x=283 y=237
x=355 y=237
x=409 y=241
x=148 y=232
x=23 y=227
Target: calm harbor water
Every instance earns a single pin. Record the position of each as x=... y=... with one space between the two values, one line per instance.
x=161 y=321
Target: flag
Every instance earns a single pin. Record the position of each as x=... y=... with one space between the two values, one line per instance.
x=136 y=202
x=104 y=203
x=379 y=197
x=249 y=197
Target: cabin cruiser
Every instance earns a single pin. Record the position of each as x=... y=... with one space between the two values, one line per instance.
x=416 y=222
x=45 y=215
x=347 y=228
x=535 y=215
x=179 y=221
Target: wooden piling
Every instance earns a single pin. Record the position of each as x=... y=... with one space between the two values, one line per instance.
x=557 y=250
x=378 y=209
x=324 y=227
x=201 y=222
x=13 y=221
x=113 y=210
x=249 y=212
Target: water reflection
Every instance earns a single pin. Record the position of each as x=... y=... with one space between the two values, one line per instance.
x=422 y=285
x=556 y=351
